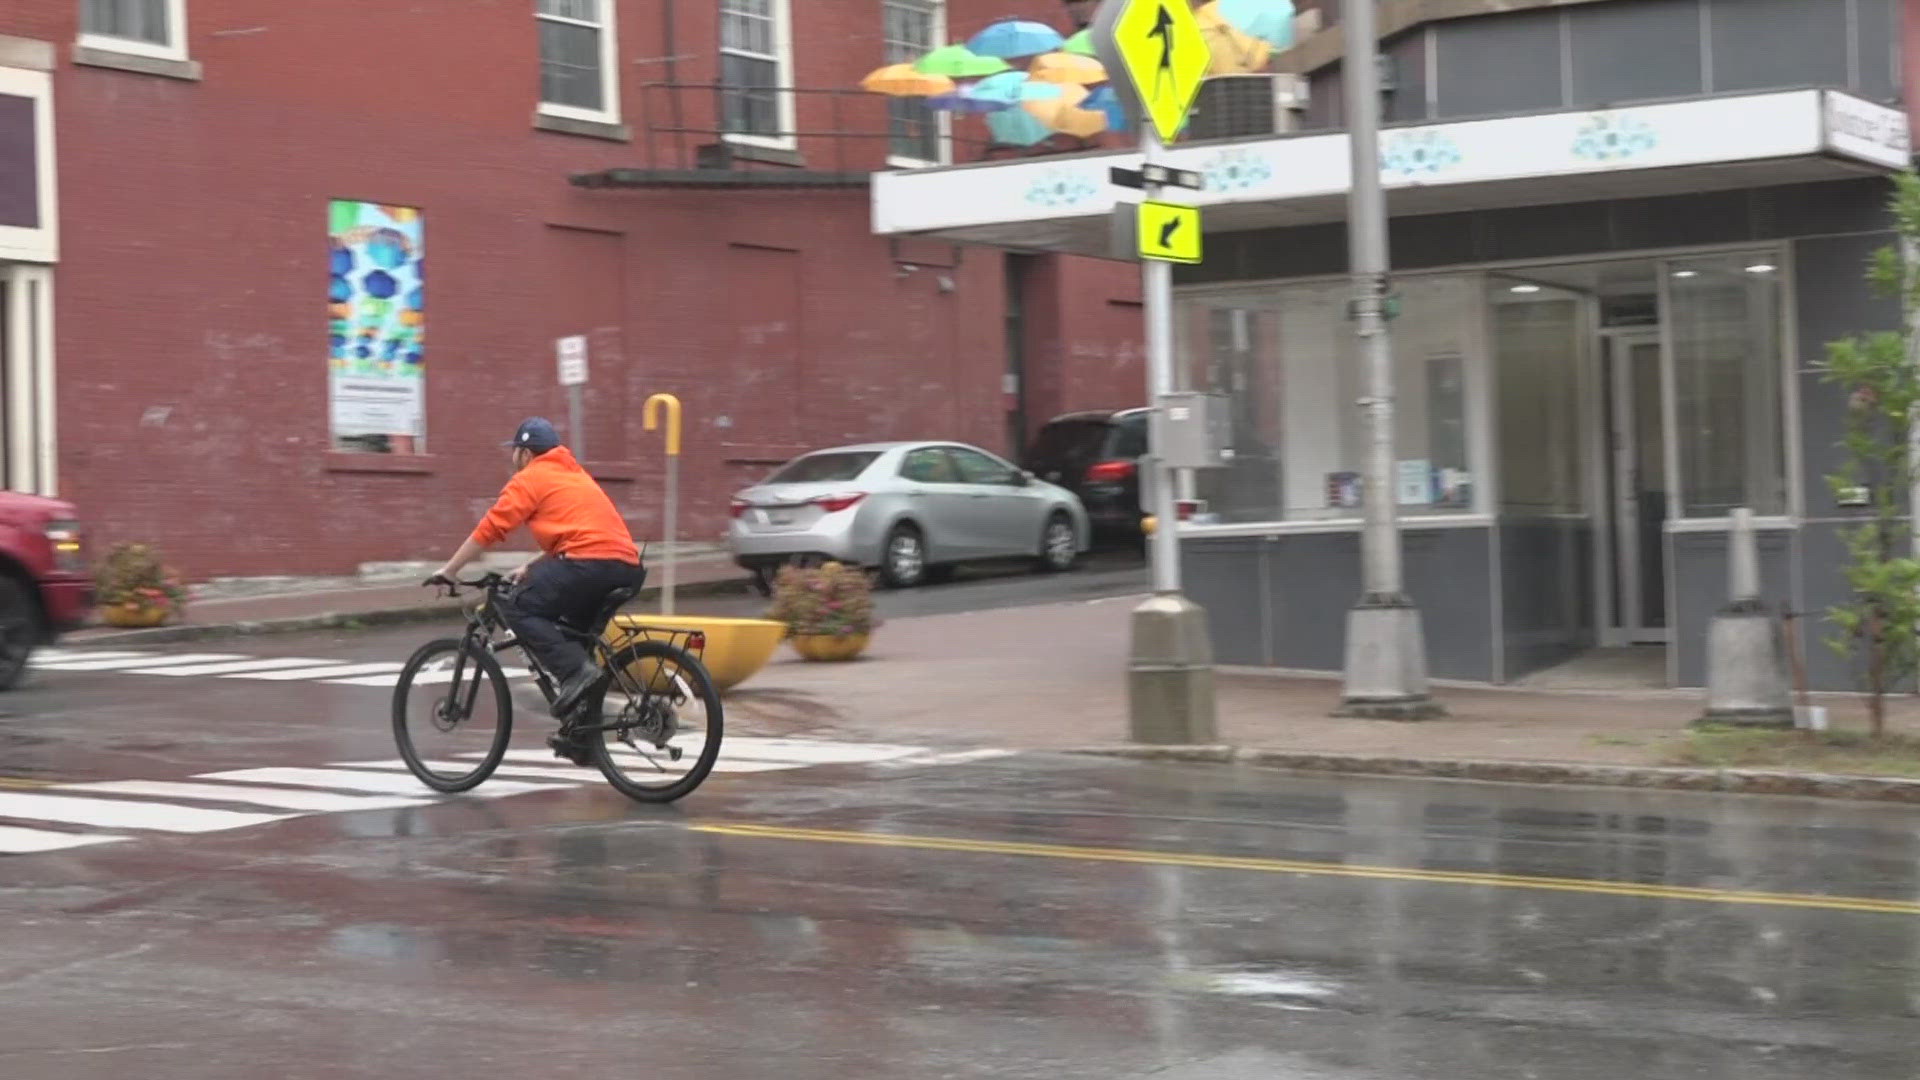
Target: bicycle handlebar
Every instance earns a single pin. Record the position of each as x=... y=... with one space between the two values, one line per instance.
x=451 y=586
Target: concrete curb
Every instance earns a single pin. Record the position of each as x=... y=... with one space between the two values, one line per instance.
x=395 y=616
x=1736 y=781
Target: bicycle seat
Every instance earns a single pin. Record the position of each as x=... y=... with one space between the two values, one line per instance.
x=610 y=607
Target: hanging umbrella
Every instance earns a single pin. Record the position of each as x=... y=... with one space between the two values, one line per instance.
x=1231 y=51
x=900 y=80
x=1080 y=123
x=1063 y=67
x=1009 y=38
x=1080 y=44
x=1269 y=20
x=960 y=101
x=1106 y=101
x=959 y=62
x=1017 y=127
x=1014 y=87
x=1047 y=110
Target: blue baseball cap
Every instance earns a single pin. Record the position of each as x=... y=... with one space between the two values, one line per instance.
x=536 y=434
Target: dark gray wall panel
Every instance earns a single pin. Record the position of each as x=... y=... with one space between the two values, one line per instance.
x=1749 y=42
x=1224 y=577
x=1827 y=209
x=1326 y=100
x=1450 y=576
x=1706 y=218
x=1546 y=576
x=1697 y=565
x=1635 y=51
x=1879 y=50
x=1499 y=64
x=1823 y=560
x=1823 y=418
x=1835 y=300
x=1314 y=579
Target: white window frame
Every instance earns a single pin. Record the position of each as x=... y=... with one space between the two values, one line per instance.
x=608 y=27
x=782 y=56
x=41 y=244
x=943 y=118
x=28 y=352
x=174 y=49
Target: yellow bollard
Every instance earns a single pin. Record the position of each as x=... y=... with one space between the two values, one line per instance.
x=650 y=415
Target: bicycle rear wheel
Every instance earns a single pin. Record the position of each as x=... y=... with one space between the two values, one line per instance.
x=452 y=715
x=655 y=731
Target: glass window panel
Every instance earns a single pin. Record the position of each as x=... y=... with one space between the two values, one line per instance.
x=1537 y=353
x=136 y=20
x=749 y=109
x=913 y=127
x=581 y=10
x=570 y=66
x=1723 y=314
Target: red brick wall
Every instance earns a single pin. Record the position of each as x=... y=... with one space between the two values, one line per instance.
x=191 y=336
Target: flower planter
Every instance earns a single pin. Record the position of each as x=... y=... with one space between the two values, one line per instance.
x=134 y=617
x=829 y=647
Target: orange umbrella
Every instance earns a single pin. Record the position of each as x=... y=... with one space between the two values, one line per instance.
x=1233 y=52
x=900 y=80
x=1067 y=68
x=1049 y=110
x=1080 y=123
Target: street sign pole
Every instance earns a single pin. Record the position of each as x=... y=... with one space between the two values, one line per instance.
x=571 y=354
x=1386 y=664
x=1156 y=56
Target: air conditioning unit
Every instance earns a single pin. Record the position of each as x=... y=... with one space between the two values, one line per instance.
x=1248 y=106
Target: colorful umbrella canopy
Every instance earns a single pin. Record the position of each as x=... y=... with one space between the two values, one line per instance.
x=1047 y=110
x=1009 y=38
x=1064 y=67
x=1106 y=101
x=1014 y=87
x=1080 y=44
x=1232 y=52
x=959 y=62
x=900 y=80
x=1080 y=123
x=961 y=101
x=1017 y=127
x=1269 y=20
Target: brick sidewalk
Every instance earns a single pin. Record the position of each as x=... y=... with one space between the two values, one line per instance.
x=1053 y=677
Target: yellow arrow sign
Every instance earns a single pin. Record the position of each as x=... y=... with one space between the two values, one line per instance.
x=1169 y=232
x=1165 y=56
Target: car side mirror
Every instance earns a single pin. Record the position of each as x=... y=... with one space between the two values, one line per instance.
x=1022 y=478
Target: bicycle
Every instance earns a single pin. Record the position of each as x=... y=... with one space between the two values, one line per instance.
x=634 y=726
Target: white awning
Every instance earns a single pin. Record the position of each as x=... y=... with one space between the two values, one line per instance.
x=1705 y=144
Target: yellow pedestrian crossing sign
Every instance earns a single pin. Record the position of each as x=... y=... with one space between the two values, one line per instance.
x=1162 y=53
x=1169 y=232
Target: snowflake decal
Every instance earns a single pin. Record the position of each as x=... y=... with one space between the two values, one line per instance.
x=1236 y=170
x=1418 y=153
x=1607 y=137
x=1061 y=187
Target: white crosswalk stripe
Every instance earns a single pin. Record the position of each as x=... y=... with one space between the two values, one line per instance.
x=127 y=662
x=380 y=674
x=87 y=814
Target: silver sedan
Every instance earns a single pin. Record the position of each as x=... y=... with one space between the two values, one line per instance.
x=912 y=510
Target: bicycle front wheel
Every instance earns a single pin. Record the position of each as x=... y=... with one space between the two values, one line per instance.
x=656 y=730
x=452 y=715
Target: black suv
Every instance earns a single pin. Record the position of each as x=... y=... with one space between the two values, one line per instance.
x=1096 y=455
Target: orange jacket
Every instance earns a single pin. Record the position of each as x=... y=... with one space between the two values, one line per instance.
x=567 y=512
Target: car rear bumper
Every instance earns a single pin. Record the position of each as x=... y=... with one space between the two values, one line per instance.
x=753 y=550
x=1112 y=509
x=68 y=600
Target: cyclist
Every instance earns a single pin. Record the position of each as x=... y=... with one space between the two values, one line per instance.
x=586 y=553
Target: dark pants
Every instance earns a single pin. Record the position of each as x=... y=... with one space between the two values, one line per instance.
x=569 y=591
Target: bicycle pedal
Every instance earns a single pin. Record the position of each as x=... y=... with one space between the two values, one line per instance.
x=674 y=753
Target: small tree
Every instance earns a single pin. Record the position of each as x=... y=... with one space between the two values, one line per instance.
x=1879 y=627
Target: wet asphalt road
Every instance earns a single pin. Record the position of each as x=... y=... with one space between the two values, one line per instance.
x=1020 y=916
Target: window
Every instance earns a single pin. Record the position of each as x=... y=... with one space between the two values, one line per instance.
x=156 y=28
x=578 y=78
x=915 y=131
x=1723 y=315
x=978 y=468
x=755 y=55
x=824 y=468
x=929 y=466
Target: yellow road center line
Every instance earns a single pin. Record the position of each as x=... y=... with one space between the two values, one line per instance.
x=23 y=782
x=1314 y=869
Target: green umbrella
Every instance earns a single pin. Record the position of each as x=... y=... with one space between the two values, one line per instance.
x=958 y=62
x=1080 y=44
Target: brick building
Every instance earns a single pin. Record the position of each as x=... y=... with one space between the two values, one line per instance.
x=181 y=180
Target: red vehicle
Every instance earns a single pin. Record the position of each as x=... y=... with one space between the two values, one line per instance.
x=44 y=585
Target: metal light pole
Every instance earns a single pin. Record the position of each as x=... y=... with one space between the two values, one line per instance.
x=1386 y=665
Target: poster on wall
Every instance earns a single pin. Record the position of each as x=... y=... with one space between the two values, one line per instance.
x=376 y=312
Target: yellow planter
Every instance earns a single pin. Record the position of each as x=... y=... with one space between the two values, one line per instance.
x=136 y=617
x=736 y=648
x=828 y=647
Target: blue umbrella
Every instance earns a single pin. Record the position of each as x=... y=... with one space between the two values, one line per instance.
x=1016 y=37
x=960 y=101
x=1012 y=88
x=1269 y=20
x=1017 y=127
x=1105 y=99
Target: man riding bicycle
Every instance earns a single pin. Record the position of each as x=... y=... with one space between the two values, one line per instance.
x=586 y=553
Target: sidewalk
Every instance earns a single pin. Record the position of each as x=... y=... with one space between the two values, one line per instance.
x=1053 y=678
x=387 y=594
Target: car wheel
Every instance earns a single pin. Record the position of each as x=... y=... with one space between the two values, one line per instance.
x=1059 y=545
x=903 y=561
x=19 y=630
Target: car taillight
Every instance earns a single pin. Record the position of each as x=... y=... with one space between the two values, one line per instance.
x=1110 y=472
x=69 y=549
x=833 y=504
x=737 y=507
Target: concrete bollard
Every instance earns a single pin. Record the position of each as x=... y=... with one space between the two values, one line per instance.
x=1170 y=673
x=1746 y=657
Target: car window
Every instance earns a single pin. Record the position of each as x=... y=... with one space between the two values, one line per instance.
x=978 y=468
x=1129 y=438
x=824 y=468
x=1067 y=441
x=929 y=466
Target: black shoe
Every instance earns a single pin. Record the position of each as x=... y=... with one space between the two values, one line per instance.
x=574 y=689
x=570 y=747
